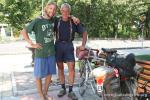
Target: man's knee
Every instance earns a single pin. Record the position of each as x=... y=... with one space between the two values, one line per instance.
x=60 y=65
x=60 y=68
x=72 y=69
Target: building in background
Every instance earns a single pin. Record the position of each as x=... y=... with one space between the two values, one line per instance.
x=3 y=32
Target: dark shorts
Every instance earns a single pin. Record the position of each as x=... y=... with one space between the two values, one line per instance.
x=64 y=52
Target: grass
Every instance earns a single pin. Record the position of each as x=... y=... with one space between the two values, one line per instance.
x=143 y=57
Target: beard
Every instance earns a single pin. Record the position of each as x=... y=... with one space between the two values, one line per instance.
x=49 y=14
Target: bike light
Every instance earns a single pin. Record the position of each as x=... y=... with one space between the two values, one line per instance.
x=100 y=81
x=101 y=74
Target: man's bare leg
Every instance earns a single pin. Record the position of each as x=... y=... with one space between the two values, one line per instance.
x=47 y=83
x=39 y=87
x=61 y=75
x=71 y=69
x=61 y=72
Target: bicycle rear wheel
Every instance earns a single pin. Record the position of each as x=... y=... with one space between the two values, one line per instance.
x=100 y=95
x=129 y=89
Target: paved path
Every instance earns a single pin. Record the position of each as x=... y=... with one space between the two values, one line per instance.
x=19 y=47
x=17 y=81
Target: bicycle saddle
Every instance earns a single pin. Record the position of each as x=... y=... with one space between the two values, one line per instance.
x=106 y=50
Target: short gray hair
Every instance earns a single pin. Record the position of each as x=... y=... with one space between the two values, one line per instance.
x=66 y=5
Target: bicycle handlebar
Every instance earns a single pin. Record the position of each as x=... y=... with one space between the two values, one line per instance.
x=91 y=49
x=95 y=58
x=97 y=51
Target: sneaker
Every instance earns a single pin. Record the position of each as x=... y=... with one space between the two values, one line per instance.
x=72 y=95
x=61 y=93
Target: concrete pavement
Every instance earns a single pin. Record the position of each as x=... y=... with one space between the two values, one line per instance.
x=17 y=81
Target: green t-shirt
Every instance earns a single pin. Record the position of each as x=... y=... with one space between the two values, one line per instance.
x=44 y=34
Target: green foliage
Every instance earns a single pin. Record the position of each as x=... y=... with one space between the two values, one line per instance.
x=109 y=18
x=102 y=18
x=1 y=10
x=18 y=12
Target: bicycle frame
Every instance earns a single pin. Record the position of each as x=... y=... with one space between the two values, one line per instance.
x=88 y=79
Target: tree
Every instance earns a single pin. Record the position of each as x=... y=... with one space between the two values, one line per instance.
x=102 y=18
x=20 y=12
x=1 y=11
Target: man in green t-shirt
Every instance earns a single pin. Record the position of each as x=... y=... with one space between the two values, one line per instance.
x=44 y=61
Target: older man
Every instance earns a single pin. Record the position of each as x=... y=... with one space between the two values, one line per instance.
x=65 y=30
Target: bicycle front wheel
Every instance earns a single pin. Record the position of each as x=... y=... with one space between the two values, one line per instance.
x=82 y=82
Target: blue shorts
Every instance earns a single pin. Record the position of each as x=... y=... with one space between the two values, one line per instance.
x=44 y=66
x=64 y=52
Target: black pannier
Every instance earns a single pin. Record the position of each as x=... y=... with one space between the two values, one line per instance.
x=125 y=64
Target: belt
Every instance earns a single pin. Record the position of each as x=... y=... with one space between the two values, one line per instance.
x=64 y=41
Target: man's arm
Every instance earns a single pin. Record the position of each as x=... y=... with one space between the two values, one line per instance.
x=84 y=39
x=26 y=36
x=82 y=30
